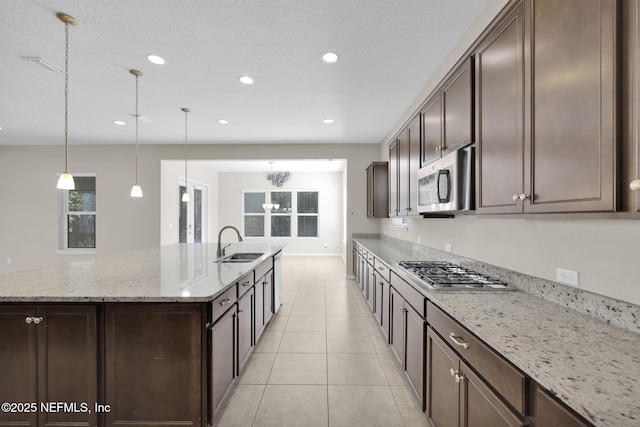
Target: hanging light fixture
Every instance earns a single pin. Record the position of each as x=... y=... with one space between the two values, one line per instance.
x=65 y=181
x=270 y=206
x=136 y=190
x=185 y=196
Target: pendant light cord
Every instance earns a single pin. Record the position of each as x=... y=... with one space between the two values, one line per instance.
x=66 y=98
x=137 y=119
x=186 y=111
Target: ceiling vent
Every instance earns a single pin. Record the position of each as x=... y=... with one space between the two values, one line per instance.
x=42 y=63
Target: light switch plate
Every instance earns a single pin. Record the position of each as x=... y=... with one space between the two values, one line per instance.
x=448 y=247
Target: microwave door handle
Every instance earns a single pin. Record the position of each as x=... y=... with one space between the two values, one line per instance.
x=448 y=177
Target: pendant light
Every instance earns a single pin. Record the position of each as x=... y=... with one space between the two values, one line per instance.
x=65 y=181
x=185 y=196
x=136 y=190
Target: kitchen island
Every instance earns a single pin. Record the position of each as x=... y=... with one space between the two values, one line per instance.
x=143 y=338
x=585 y=363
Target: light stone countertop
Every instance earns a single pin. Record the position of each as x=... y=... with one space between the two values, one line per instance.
x=171 y=273
x=587 y=363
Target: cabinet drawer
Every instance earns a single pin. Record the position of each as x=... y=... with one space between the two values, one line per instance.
x=263 y=269
x=370 y=258
x=222 y=303
x=244 y=284
x=412 y=296
x=382 y=269
x=503 y=377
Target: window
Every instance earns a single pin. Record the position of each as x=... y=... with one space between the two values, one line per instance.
x=254 y=216
x=307 y=208
x=77 y=216
x=281 y=214
x=286 y=214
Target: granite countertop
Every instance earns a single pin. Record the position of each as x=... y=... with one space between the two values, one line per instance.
x=172 y=273
x=590 y=365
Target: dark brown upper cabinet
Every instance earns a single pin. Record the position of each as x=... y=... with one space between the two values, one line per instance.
x=447 y=116
x=546 y=109
x=378 y=190
x=404 y=162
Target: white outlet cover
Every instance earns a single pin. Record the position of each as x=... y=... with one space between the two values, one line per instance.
x=568 y=277
x=448 y=247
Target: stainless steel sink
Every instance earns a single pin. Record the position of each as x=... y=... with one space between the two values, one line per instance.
x=241 y=257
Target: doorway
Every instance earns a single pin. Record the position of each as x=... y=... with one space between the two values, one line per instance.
x=193 y=216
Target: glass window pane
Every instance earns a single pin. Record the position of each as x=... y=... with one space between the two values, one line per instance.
x=307 y=202
x=307 y=226
x=182 y=221
x=254 y=225
x=283 y=200
x=81 y=231
x=83 y=198
x=281 y=226
x=253 y=202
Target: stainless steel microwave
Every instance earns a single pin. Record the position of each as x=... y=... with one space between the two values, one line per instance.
x=447 y=185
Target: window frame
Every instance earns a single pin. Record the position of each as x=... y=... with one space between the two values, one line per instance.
x=63 y=224
x=263 y=214
x=298 y=215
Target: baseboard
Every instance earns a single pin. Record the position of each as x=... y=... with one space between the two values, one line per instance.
x=320 y=254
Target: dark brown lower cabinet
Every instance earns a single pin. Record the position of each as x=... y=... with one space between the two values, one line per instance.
x=153 y=359
x=371 y=287
x=263 y=303
x=457 y=396
x=245 y=328
x=222 y=369
x=49 y=354
x=550 y=413
x=407 y=334
x=378 y=293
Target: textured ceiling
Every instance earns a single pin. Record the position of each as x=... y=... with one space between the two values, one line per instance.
x=388 y=49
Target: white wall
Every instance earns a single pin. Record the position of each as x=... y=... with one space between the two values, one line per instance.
x=329 y=186
x=29 y=199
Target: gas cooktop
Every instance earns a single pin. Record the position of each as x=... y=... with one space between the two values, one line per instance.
x=451 y=277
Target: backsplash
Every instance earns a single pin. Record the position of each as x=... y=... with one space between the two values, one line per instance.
x=615 y=312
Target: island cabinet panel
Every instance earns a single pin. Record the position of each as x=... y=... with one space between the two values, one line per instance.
x=49 y=354
x=221 y=344
x=550 y=413
x=245 y=328
x=153 y=359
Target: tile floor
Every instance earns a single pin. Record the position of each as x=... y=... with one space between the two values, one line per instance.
x=322 y=361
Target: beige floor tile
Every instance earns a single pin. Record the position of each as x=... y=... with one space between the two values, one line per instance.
x=363 y=406
x=285 y=309
x=379 y=340
x=257 y=369
x=269 y=342
x=293 y=406
x=308 y=310
x=304 y=342
x=355 y=369
x=299 y=369
x=349 y=342
x=277 y=323
x=409 y=406
x=345 y=323
x=241 y=406
x=338 y=309
x=392 y=369
x=310 y=299
x=306 y=323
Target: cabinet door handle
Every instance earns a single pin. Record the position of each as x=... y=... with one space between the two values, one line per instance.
x=516 y=198
x=635 y=185
x=37 y=320
x=29 y=320
x=453 y=373
x=225 y=301
x=239 y=311
x=455 y=338
x=459 y=378
x=524 y=197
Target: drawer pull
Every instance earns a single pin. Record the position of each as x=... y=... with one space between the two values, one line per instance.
x=381 y=268
x=247 y=283
x=454 y=338
x=225 y=301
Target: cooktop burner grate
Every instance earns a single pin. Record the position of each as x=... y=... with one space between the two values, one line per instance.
x=446 y=276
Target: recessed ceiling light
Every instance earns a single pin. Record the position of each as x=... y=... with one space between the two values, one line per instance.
x=246 y=80
x=223 y=121
x=119 y=122
x=330 y=57
x=327 y=121
x=155 y=59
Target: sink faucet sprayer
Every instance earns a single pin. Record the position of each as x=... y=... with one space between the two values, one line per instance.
x=220 y=251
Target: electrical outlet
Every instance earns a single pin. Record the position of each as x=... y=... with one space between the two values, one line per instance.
x=568 y=277
x=448 y=247
x=8 y=260
x=419 y=240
